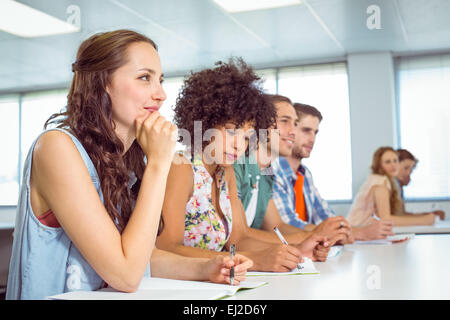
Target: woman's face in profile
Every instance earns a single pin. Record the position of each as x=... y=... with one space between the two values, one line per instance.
x=136 y=87
x=389 y=163
x=228 y=143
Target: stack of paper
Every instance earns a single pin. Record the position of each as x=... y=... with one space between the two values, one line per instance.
x=163 y=289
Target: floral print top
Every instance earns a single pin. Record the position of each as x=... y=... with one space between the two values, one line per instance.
x=203 y=226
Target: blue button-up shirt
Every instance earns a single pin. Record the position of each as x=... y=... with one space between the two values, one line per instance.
x=284 y=195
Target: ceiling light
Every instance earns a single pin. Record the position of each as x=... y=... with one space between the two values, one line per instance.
x=24 y=21
x=250 y=5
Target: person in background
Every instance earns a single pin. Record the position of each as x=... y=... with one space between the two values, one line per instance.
x=93 y=187
x=378 y=196
x=407 y=163
x=296 y=196
x=255 y=181
x=202 y=212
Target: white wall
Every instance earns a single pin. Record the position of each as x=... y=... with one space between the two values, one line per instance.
x=372 y=109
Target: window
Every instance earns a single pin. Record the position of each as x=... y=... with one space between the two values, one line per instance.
x=269 y=76
x=424 y=117
x=172 y=87
x=36 y=109
x=325 y=87
x=9 y=144
x=28 y=118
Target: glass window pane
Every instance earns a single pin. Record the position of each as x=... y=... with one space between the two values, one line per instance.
x=9 y=144
x=270 y=80
x=36 y=109
x=172 y=87
x=325 y=87
x=424 y=117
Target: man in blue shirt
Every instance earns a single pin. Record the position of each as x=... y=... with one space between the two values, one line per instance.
x=287 y=170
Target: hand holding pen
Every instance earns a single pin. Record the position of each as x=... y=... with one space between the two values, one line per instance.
x=280 y=236
x=219 y=268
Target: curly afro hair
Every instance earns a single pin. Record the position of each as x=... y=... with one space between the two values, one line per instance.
x=229 y=92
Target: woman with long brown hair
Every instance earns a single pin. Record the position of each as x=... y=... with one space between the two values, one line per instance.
x=378 y=197
x=93 y=187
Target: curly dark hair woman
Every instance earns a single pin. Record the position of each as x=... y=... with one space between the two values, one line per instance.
x=230 y=92
x=202 y=213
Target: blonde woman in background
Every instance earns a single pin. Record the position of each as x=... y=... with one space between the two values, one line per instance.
x=379 y=199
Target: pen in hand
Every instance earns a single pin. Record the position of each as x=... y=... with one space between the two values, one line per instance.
x=232 y=253
x=280 y=236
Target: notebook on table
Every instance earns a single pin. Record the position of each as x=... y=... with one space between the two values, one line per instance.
x=163 y=289
x=307 y=267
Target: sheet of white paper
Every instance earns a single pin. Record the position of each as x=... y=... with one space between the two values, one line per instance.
x=400 y=237
x=307 y=267
x=111 y=294
x=164 y=289
x=438 y=223
x=170 y=284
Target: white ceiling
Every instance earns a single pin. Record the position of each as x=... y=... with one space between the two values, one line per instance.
x=192 y=34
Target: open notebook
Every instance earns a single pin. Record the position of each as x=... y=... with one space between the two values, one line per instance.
x=307 y=267
x=163 y=289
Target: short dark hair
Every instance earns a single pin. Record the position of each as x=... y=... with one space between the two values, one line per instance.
x=276 y=98
x=305 y=109
x=404 y=154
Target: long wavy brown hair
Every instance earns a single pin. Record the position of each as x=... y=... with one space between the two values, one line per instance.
x=89 y=117
x=394 y=200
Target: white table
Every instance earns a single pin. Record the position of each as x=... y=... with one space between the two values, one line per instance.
x=417 y=269
x=438 y=227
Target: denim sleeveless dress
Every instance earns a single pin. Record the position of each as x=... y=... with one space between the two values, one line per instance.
x=44 y=261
